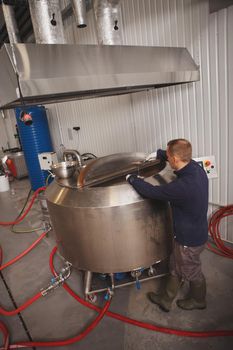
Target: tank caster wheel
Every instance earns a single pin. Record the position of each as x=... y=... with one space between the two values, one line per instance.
x=92 y=298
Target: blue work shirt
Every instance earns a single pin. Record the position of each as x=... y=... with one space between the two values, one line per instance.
x=188 y=197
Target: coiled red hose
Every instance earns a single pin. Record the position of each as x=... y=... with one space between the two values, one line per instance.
x=9 y=223
x=218 y=333
x=214 y=229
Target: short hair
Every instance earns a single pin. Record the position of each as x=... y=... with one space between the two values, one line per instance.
x=181 y=148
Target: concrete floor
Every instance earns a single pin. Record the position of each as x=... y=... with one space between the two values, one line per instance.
x=59 y=316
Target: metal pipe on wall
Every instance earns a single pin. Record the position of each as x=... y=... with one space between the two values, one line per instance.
x=11 y=25
x=47 y=21
x=107 y=14
x=79 y=8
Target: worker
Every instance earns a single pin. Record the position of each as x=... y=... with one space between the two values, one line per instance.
x=188 y=197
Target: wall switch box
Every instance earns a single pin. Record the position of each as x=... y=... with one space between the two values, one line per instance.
x=47 y=159
x=208 y=163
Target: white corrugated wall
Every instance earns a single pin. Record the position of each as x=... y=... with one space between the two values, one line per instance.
x=201 y=112
x=8 y=130
x=145 y=121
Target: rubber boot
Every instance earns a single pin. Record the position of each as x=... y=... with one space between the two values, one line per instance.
x=165 y=299
x=196 y=298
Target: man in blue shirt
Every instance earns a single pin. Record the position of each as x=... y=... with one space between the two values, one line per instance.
x=188 y=197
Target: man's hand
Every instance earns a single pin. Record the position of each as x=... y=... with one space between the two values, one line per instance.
x=127 y=177
x=131 y=177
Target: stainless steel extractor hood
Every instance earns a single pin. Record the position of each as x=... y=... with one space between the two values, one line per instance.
x=59 y=72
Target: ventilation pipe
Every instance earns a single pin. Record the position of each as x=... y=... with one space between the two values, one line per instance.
x=47 y=21
x=11 y=25
x=107 y=13
x=79 y=9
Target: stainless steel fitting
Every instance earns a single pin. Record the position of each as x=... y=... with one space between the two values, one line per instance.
x=58 y=280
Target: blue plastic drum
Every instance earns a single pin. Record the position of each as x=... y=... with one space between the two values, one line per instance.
x=35 y=139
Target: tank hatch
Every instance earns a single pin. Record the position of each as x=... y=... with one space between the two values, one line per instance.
x=112 y=169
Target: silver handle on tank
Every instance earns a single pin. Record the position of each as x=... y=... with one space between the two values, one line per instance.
x=73 y=152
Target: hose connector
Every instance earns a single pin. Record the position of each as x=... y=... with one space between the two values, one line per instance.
x=58 y=280
x=109 y=294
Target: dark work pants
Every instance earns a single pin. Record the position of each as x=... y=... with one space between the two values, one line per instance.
x=185 y=262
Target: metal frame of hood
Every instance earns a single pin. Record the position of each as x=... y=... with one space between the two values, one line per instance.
x=51 y=73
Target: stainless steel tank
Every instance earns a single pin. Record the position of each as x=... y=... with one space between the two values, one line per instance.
x=102 y=224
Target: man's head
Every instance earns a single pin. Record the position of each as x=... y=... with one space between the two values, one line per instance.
x=179 y=153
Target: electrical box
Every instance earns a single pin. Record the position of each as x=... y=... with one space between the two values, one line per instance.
x=209 y=165
x=47 y=159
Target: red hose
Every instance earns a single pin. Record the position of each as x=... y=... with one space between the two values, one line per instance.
x=22 y=254
x=70 y=340
x=223 y=333
x=9 y=223
x=1 y=255
x=29 y=302
x=5 y=333
x=3 y=328
x=223 y=250
x=22 y=307
x=35 y=297
x=214 y=229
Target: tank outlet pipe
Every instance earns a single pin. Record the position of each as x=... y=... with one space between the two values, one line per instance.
x=112 y=282
x=11 y=25
x=47 y=21
x=75 y=153
x=79 y=9
x=107 y=16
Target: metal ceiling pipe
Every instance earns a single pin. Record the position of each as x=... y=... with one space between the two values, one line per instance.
x=107 y=14
x=11 y=25
x=47 y=21
x=79 y=8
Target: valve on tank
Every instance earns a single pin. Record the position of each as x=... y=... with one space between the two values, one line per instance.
x=136 y=274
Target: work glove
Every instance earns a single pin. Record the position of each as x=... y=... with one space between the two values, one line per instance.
x=131 y=177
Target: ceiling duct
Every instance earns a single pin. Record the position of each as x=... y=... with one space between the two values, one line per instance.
x=11 y=25
x=47 y=21
x=107 y=13
x=79 y=9
x=57 y=73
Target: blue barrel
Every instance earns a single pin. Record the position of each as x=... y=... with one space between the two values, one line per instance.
x=35 y=139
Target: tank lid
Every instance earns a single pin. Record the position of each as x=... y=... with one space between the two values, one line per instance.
x=112 y=169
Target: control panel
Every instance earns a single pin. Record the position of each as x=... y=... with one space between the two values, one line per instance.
x=209 y=165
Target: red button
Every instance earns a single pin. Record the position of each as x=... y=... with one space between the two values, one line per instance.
x=207 y=163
